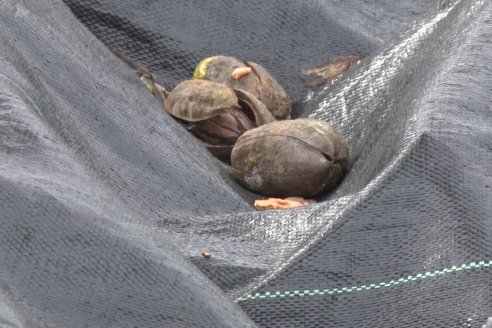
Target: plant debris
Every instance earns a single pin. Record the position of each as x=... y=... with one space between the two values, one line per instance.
x=240 y=72
x=276 y=203
x=144 y=74
x=324 y=73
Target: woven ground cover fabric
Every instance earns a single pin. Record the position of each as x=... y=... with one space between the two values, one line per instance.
x=107 y=203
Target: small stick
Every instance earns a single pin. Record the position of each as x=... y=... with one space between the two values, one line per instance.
x=144 y=74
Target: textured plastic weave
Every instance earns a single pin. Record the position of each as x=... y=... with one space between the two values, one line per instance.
x=107 y=203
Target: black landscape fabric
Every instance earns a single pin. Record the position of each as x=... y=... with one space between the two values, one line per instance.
x=106 y=203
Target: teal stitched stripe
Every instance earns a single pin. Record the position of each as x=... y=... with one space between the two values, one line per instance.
x=345 y=290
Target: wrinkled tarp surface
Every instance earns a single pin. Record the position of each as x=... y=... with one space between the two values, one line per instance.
x=106 y=203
